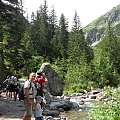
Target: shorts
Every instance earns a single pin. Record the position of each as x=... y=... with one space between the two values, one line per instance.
x=28 y=108
x=39 y=118
x=11 y=88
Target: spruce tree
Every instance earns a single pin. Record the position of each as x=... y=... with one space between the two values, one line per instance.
x=107 y=60
x=63 y=39
x=42 y=42
x=8 y=14
x=52 y=31
x=78 y=47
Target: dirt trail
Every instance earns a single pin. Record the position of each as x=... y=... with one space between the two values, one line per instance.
x=10 y=109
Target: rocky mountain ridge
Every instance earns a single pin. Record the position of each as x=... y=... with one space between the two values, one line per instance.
x=96 y=30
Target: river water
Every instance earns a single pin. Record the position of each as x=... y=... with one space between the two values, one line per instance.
x=74 y=115
x=79 y=114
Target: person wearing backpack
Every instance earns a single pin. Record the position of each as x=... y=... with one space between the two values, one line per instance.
x=40 y=80
x=17 y=89
x=11 y=88
x=29 y=95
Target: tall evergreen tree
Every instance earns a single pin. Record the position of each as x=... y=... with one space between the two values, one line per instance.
x=13 y=42
x=55 y=42
x=52 y=22
x=78 y=47
x=8 y=11
x=43 y=44
x=113 y=48
x=107 y=59
x=44 y=29
x=52 y=30
x=63 y=41
x=35 y=36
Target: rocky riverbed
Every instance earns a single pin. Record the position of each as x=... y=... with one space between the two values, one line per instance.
x=58 y=108
x=10 y=109
x=14 y=110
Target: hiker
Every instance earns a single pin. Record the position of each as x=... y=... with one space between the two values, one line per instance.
x=6 y=83
x=11 y=87
x=17 y=89
x=38 y=110
x=40 y=80
x=30 y=93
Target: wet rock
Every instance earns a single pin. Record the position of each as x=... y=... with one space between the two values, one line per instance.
x=51 y=112
x=64 y=104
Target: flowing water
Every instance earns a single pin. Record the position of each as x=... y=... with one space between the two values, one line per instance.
x=80 y=114
x=75 y=115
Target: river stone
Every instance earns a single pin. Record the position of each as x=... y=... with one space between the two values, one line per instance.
x=64 y=104
x=54 y=85
x=50 y=112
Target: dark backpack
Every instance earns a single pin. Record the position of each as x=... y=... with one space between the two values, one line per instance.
x=38 y=88
x=21 y=94
x=37 y=85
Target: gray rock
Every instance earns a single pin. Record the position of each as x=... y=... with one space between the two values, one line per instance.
x=54 y=81
x=64 y=104
x=48 y=96
x=51 y=112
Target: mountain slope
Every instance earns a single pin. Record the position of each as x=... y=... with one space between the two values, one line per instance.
x=95 y=30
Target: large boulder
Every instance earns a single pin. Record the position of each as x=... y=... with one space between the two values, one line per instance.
x=54 y=81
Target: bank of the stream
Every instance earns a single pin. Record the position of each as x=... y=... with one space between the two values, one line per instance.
x=74 y=115
x=14 y=110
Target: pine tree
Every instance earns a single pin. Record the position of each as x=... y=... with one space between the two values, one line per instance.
x=107 y=60
x=52 y=30
x=55 y=42
x=42 y=43
x=78 y=47
x=63 y=39
x=52 y=22
x=8 y=11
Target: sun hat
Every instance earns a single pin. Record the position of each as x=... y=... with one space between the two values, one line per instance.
x=38 y=98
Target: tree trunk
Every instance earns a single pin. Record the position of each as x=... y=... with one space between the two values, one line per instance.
x=1 y=67
x=1 y=58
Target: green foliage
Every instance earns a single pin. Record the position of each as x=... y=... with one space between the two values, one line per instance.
x=77 y=47
x=109 y=111
x=55 y=42
x=11 y=30
x=63 y=41
x=106 y=60
x=60 y=66
x=25 y=46
x=78 y=78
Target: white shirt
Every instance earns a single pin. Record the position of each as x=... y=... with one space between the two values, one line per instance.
x=32 y=90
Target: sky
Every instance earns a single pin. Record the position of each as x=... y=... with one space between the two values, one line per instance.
x=87 y=10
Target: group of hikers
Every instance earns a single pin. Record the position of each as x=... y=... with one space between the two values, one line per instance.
x=12 y=86
x=33 y=90
x=33 y=93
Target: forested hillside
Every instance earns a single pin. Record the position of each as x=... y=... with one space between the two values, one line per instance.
x=96 y=30
x=24 y=46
